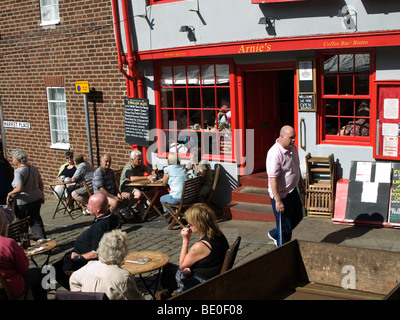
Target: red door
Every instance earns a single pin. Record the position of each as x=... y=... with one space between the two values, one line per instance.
x=261 y=106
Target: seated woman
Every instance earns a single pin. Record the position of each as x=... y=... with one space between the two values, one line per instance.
x=200 y=168
x=14 y=268
x=204 y=259
x=66 y=172
x=106 y=275
x=175 y=175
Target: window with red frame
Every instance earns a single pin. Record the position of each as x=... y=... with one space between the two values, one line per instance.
x=195 y=109
x=345 y=111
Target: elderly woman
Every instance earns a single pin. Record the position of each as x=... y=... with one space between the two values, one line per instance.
x=204 y=259
x=175 y=175
x=14 y=268
x=106 y=275
x=28 y=191
x=203 y=169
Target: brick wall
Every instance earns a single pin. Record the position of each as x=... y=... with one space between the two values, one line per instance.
x=81 y=47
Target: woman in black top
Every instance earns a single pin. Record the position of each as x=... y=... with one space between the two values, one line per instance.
x=205 y=258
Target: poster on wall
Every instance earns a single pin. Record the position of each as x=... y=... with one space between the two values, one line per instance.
x=137 y=123
x=394 y=210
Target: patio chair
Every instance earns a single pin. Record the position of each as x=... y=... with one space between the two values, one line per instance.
x=214 y=186
x=230 y=255
x=16 y=229
x=190 y=191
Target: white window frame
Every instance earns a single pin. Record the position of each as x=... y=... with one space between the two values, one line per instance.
x=44 y=8
x=54 y=131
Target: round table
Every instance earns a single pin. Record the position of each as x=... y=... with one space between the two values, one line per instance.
x=32 y=250
x=155 y=261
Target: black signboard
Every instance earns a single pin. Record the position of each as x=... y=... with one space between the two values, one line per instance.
x=137 y=122
x=306 y=102
x=394 y=213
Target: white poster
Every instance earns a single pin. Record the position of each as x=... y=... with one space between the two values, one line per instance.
x=305 y=70
x=369 y=192
x=391 y=108
x=390 y=129
x=383 y=171
x=363 y=171
x=390 y=146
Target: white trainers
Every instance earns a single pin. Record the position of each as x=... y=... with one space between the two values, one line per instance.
x=86 y=212
x=273 y=239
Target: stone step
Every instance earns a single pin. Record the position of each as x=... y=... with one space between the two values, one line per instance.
x=248 y=211
x=251 y=194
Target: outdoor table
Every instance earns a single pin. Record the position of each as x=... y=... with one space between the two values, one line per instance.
x=139 y=262
x=39 y=247
x=147 y=183
x=63 y=201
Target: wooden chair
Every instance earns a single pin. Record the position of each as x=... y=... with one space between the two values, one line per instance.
x=4 y=290
x=230 y=255
x=190 y=190
x=214 y=186
x=117 y=179
x=88 y=184
x=16 y=229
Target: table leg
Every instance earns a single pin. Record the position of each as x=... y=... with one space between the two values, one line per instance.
x=152 y=293
x=152 y=200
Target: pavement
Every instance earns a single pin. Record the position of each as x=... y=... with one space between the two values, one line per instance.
x=153 y=234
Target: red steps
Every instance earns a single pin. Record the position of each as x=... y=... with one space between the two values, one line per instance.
x=251 y=200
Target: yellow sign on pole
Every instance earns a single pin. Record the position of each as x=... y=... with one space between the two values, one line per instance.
x=82 y=86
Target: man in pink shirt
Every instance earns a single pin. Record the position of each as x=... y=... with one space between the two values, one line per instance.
x=284 y=177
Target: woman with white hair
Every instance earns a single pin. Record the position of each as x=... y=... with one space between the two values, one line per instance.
x=175 y=175
x=106 y=275
x=28 y=191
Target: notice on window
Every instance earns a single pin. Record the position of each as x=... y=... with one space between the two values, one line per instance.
x=390 y=108
x=363 y=171
x=390 y=129
x=390 y=146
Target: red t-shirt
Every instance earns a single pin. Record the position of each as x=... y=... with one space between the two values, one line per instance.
x=13 y=264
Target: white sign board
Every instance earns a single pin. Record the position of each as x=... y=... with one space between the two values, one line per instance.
x=17 y=124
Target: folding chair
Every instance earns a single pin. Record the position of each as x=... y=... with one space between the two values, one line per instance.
x=214 y=186
x=230 y=255
x=16 y=229
x=190 y=191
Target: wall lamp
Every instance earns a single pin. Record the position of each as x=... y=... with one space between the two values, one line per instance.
x=349 y=18
x=186 y=29
x=269 y=22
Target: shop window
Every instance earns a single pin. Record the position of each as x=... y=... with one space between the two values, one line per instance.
x=49 y=12
x=58 y=117
x=195 y=109
x=345 y=89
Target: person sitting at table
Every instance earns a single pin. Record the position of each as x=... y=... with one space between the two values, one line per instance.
x=85 y=246
x=203 y=169
x=106 y=274
x=14 y=268
x=65 y=173
x=84 y=171
x=134 y=171
x=205 y=258
x=175 y=176
x=103 y=182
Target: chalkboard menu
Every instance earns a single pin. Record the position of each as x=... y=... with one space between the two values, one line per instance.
x=137 y=122
x=394 y=212
x=306 y=83
x=306 y=102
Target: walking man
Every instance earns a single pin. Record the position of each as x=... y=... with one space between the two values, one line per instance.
x=284 y=177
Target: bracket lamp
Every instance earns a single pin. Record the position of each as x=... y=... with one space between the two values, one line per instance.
x=186 y=29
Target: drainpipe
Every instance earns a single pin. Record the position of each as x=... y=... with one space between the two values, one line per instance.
x=136 y=82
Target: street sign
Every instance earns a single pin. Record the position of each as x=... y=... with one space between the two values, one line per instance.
x=82 y=86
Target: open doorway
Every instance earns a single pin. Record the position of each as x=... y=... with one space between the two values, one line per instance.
x=268 y=105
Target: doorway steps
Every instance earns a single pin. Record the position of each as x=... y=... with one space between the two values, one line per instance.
x=250 y=201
